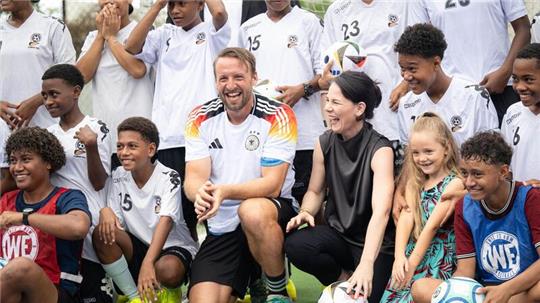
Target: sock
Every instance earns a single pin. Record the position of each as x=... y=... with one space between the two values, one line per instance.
x=119 y=272
x=277 y=285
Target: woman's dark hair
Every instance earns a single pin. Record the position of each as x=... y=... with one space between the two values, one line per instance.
x=39 y=141
x=359 y=87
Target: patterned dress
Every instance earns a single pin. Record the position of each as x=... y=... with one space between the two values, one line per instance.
x=440 y=259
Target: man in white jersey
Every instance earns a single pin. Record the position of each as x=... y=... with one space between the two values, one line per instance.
x=239 y=151
x=182 y=54
x=87 y=144
x=143 y=228
x=479 y=47
x=521 y=124
x=104 y=58
x=464 y=107
x=291 y=35
x=30 y=42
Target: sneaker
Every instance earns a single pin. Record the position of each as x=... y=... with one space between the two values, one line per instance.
x=167 y=295
x=258 y=291
x=278 y=299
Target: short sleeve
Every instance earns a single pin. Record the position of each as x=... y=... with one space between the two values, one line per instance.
x=196 y=146
x=170 y=196
x=87 y=43
x=153 y=44
x=513 y=10
x=532 y=211
x=486 y=114
x=328 y=34
x=402 y=125
x=315 y=30
x=62 y=44
x=283 y=135
x=114 y=199
x=506 y=130
x=73 y=200
x=464 y=240
x=416 y=12
x=219 y=38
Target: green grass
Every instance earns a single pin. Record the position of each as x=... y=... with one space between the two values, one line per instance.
x=308 y=288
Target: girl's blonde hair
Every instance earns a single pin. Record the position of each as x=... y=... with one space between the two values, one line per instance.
x=428 y=122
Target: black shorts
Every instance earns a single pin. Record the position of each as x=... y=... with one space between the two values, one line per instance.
x=139 y=252
x=65 y=297
x=303 y=161
x=226 y=258
x=95 y=286
x=503 y=100
x=175 y=158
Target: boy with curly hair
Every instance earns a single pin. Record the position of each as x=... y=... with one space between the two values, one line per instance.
x=42 y=227
x=498 y=236
x=142 y=235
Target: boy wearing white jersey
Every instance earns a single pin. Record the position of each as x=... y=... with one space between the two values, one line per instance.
x=182 y=54
x=239 y=150
x=479 y=47
x=521 y=124
x=87 y=144
x=375 y=26
x=30 y=42
x=6 y=180
x=464 y=107
x=535 y=29
x=103 y=58
x=142 y=235
x=292 y=36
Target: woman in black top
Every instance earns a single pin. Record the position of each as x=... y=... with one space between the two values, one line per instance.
x=353 y=171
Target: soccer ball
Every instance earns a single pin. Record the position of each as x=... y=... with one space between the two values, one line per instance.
x=346 y=55
x=337 y=293
x=3 y=262
x=458 y=290
x=267 y=89
x=318 y=7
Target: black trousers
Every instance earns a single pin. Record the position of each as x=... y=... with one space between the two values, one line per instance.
x=322 y=252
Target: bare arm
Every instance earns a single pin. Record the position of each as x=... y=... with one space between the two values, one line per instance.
x=218 y=12
x=382 y=165
x=89 y=62
x=466 y=268
x=197 y=173
x=314 y=197
x=96 y=172
x=111 y=26
x=71 y=226
x=432 y=225
x=135 y=42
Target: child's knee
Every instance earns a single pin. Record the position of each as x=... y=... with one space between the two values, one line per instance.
x=170 y=271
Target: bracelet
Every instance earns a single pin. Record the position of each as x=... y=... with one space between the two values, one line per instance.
x=305 y=211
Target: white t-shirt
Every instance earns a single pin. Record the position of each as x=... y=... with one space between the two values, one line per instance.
x=293 y=41
x=234 y=18
x=465 y=108
x=535 y=29
x=25 y=53
x=476 y=33
x=139 y=209
x=521 y=129
x=184 y=74
x=375 y=27
x=116 y=95
x=238 y=152
x=4 y=135
x=74 y=174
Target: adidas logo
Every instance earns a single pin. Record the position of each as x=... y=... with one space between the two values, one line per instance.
x=215 y=144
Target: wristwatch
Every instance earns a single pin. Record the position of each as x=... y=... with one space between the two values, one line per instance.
x=308 y=90
x=25 y=213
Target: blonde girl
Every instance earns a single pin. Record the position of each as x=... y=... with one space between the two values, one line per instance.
x=425 y=244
